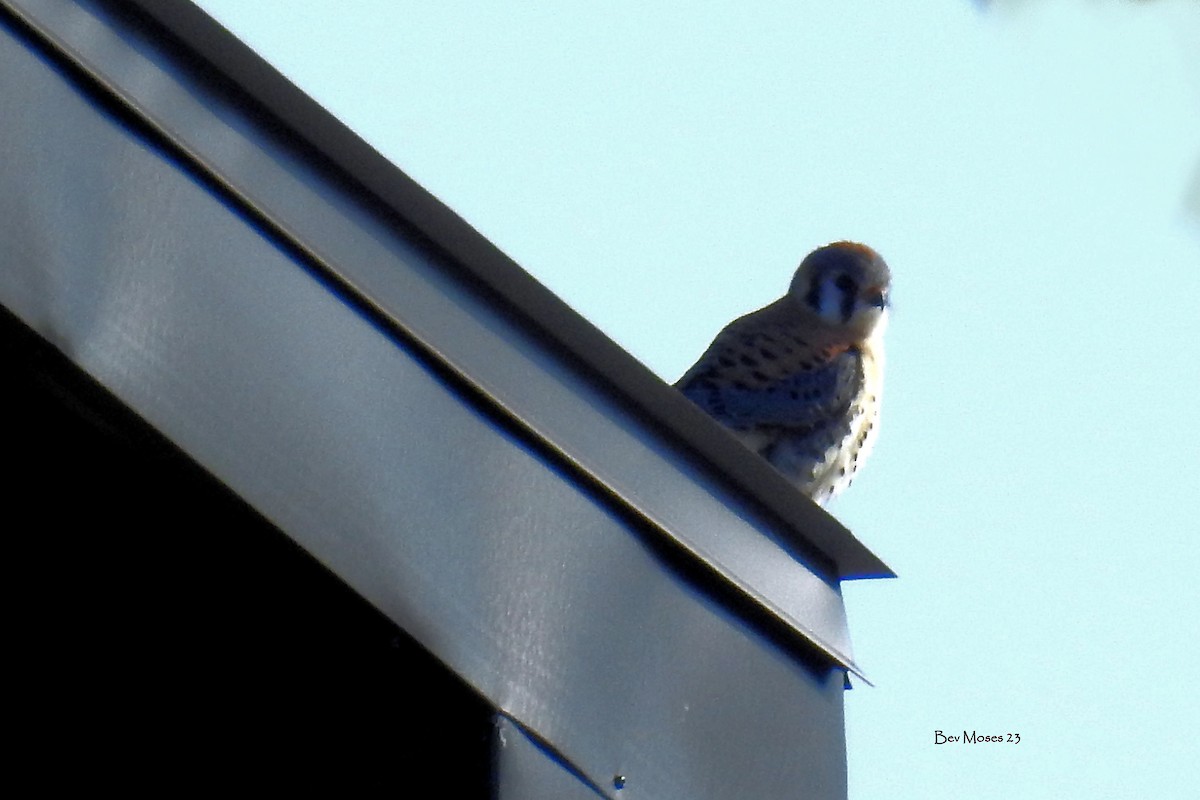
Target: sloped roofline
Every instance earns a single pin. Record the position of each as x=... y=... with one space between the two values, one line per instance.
x=811 y=531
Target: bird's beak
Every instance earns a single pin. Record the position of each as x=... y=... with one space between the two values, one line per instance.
x=875 y=296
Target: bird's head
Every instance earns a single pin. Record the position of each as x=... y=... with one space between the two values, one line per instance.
x=845 y=285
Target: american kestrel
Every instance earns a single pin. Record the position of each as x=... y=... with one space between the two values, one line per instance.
x=799 y=381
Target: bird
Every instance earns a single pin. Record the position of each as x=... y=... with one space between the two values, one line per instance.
x=799 y=381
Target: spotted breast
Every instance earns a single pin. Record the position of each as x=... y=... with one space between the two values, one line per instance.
x=800 y=381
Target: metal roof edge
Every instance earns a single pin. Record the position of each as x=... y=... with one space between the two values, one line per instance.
x=441 y=227
x=304 y=120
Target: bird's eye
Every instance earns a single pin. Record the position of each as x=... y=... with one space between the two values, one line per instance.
x=846 y=284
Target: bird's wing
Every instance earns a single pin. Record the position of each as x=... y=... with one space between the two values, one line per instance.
x=757 y=374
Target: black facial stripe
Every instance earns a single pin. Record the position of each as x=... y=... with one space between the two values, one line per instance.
x=848 y=299
x=813 y=298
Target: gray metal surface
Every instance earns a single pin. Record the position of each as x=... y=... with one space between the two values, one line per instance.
x=441 y=456
x=300 y=122
x=517 y=372
x=526 y=770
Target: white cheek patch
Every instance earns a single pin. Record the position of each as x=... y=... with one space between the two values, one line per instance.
x=829 y=302
x=881 y=323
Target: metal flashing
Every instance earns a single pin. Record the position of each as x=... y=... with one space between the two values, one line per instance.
x=299 y=119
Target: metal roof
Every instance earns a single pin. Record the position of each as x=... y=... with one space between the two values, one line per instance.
x=298 y=119
x=389 y=389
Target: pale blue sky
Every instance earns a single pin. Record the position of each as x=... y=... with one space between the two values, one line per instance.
x=1026 y=172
